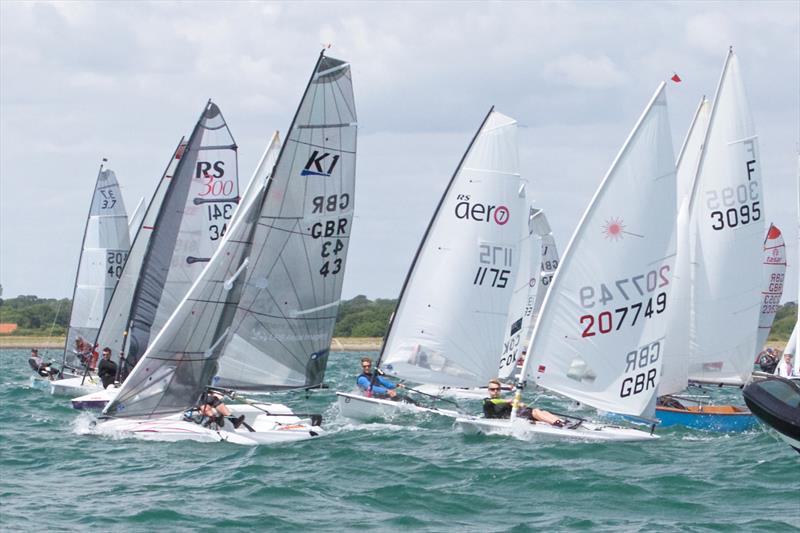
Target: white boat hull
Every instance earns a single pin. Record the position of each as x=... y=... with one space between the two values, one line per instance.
x=279 y=426
x=357 y=407
x=95 y=400
x=524 y=429
x=75 y=386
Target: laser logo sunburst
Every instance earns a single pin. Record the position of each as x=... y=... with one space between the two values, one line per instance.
x=613 y=228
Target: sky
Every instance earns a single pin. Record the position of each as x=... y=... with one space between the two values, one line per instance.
x=80 y=81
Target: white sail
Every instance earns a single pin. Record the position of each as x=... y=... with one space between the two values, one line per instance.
x=103 y=253
x=550 y=260
x=689 y=156
x=283 y=326
x=675 y=363
x=728 y=218
x=180 y=360
x=115 y=321
x=773 y=275
x=601 y=333
x=532 y=288
x=136 y=218
x=523 y=298
x=451 y=314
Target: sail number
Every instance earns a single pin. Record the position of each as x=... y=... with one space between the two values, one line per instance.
x=494 y=266
x=333 y=233
x=108 y=199
x=604 y=322
x=115 y=261
x=218 y=215
x=637 y=361
x=641 y=284
x=735 y=206
x=772 y=297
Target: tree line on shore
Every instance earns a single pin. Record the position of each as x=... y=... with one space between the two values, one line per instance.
x=358 y=317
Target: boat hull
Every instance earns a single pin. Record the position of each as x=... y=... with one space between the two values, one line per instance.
x=279 y=426
x=357 y=407
x=75 y=386
x=524 y=429
x=722 y=418
x=776 y=403
x=95 y=400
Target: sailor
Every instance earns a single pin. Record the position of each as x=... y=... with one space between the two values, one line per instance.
x=767 y=361
x=107 y=369
x=374 y=384
x=40 y=366
x=496 y=407
x=786 y=367
x=214 y=410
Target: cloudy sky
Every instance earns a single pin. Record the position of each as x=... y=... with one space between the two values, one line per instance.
x=125 y=80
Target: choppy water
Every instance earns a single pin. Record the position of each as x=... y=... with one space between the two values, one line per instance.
x=412 y=474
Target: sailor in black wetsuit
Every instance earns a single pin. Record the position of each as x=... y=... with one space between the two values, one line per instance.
x=107 y=369
x=496 y=407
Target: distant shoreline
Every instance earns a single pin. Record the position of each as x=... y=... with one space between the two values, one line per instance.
x=339 y=344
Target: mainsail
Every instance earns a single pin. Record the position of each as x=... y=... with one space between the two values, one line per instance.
x=282 y=330
x=727 y=224
x=197 y=207
x=550 y=260
x=772 y=282
x=531 y=286
x=450 y=318
x=103 y=253
x=601 y=332
x=280 y=230
x=675 y=363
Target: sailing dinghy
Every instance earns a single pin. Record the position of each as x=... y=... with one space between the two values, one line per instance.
x=714 y=333
x=103 y=253
x=260 y=317
x=601 y=331
x=452 y=309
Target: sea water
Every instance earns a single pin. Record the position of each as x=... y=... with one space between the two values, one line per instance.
x=409 y=473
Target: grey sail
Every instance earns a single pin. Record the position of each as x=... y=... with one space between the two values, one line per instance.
x=103 y=253
x=181 y=360
x=193 y=216
x=115 y=321
x=284 y=322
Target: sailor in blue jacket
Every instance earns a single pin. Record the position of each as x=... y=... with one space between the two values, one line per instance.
x=374 y=384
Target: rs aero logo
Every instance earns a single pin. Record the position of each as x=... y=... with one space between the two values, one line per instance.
x=319 y=165
x=481 y=212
